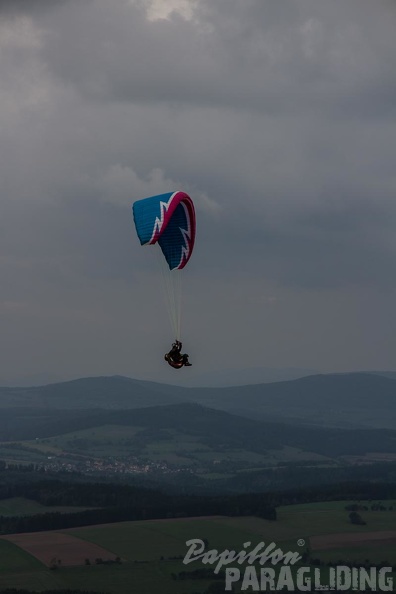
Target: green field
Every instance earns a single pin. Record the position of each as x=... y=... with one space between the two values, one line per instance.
x=151 y=540
x=331 y=517
x=153 y=550
x=13 y=559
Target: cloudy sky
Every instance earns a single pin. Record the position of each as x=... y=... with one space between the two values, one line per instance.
x=278 y=118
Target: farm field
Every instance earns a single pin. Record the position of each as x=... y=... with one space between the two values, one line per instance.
x=312 y=519
x=53 y=547
x=152 y=550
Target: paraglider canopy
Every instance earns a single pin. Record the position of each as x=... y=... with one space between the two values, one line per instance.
x=169 y=220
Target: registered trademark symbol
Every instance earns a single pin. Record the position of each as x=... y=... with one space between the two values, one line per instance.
x=301 y=542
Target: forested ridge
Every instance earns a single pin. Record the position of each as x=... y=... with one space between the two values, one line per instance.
x=212 y=427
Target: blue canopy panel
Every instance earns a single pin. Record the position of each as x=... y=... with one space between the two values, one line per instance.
x=169 y=220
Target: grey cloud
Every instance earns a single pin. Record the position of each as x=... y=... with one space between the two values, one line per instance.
x=32 y=7
x=276 y=117
x=249 y=56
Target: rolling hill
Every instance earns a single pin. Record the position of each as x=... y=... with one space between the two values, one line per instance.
x=171 y=427
x=337 y=400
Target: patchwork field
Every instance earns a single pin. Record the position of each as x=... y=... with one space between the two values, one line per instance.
x=152 y=551
x=51 y=547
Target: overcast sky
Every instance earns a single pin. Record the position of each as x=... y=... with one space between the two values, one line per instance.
x=277 y=117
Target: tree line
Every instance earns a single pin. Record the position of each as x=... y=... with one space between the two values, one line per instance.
x=117 y=502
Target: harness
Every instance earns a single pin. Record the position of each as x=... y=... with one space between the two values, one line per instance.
x=172 y=363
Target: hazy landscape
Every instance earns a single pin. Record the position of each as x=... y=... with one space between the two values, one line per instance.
x=185 y=452
x=121 y=426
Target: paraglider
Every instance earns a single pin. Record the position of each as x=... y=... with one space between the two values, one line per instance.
x=168 y=221
x=175 y=357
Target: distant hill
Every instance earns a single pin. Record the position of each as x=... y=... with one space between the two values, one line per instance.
x=338 y=400
x=194 y=378
x=214 y=429
x=217 y=378
x=224 y=378
x=390 y=374
x=114 y=392
x=353 y=389
x=344 y=400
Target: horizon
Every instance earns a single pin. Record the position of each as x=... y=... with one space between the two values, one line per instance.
x=218 y=381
